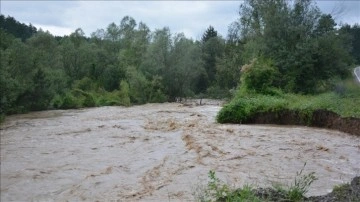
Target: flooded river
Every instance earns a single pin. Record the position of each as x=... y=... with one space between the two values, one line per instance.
x=160 y=152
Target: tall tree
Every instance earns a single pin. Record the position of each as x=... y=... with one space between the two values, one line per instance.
x=209 y=33
x=17 y=29
x=352 y=33
x=185 y=64
x=212 y=49
x=156 y=59
x=290 y=34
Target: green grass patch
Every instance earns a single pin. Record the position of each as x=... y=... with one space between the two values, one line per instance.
x=244 y=106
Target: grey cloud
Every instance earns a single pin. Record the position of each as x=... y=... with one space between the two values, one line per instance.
x=38 y=12
x=342 y=11
x=190 y=17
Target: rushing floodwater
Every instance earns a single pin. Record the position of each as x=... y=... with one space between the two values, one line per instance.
x=160 y=152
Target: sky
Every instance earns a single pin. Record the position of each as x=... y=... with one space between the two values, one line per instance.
x=190 y=17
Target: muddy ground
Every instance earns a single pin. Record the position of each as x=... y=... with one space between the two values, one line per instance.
x=319 y=118
x=160 y=152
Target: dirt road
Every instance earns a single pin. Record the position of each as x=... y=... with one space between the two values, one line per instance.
x=159 y=152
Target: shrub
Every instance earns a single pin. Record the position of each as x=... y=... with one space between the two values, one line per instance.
x=259 y=76
x=158 y=97
x=244 y=107
x=85 y=84
x=124 y=93
x=70 y=102
x=57 y=102
x=89 y=100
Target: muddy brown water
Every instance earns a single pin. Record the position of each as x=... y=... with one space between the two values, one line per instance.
x=160 y=152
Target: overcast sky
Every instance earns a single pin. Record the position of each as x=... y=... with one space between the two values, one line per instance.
x=190 y=17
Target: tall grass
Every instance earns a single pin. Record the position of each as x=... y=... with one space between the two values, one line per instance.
x=344 y=100
x=216 y=190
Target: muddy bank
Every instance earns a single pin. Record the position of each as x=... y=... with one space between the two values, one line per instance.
x=345 y=192
x=319 y=118
x=160 y=152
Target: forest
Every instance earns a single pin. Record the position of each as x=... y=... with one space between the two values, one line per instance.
x=274 y=46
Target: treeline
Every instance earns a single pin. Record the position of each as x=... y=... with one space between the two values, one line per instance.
x=278 y=45
x=292 y=46
x=121 y=65
x=17 y=29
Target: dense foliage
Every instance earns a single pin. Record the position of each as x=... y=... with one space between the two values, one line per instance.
x=274 y=45
x=17 y=29
x=291 y=49
x=121 y=65
x=303 y=44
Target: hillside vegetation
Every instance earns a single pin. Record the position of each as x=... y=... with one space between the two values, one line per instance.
x=274 y=46
x=291 y=77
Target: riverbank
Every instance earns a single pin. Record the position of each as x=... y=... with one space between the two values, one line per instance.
x=328 y=110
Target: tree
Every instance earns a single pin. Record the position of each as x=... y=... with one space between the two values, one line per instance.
x=352 y=37
x=212 y=49
x=209 y=33
x=292 y=36
x=112 y=32
x=156 y=58
x=126 y=30
x=228 y=67
x=134 y=43
x=41 y=93
x=17 y=29
x=10 y=88
x=185 y=65
x=259 y=75
x=112 y=76
x=139 y=86
x=77 y=37
x=325 y=25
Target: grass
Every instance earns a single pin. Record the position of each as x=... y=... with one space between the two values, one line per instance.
x=344 y=102
x=220 y=192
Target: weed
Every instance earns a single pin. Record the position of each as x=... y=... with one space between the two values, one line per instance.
x=302 y=183
x=218 y=191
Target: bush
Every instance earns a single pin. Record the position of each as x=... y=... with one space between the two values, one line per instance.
x=124 y=93
x=89 y=100
x=85 y=84
x=158 y=97
x=56 y=102
x=70 y=102
x=109 y=99
x=243 y=108
x=259 y=76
